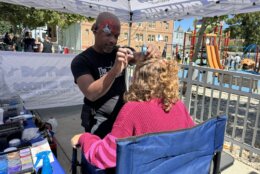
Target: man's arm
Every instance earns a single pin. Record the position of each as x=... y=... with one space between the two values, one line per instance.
x=94 y=89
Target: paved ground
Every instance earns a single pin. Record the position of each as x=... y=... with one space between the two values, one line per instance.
x=69 y=124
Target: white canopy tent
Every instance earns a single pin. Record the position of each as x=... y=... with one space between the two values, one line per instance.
x=145 y=10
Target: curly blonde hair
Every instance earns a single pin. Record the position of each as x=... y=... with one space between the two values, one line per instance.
x=155 y=78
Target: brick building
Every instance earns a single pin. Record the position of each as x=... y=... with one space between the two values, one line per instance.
x=158 y=33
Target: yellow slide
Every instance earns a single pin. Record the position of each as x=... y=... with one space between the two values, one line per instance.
x=218 y=57
x=213 y=57
x=209 y=57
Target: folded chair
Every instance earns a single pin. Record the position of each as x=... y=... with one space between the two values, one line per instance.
x=189 y=151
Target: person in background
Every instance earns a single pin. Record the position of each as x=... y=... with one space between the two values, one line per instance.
x=60 y=50
x=186 y=58
x=178 y=56
x=237 y=60
x=230 y=61
x=164 y=51
x=47 y=45
x=8 y=42
x=18 y=43
x=28 y=42
x=152 y=105
x=226 y=55
x=99 y=72
x=38 y=45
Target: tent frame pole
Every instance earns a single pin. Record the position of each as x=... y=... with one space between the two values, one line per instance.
x=127 y=70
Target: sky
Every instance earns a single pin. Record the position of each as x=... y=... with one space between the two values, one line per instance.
x=186 y=23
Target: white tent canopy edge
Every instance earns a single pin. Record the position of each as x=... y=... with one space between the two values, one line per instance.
x=145 y=10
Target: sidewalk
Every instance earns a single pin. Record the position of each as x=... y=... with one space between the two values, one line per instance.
x=240 y=168
x=69 y=124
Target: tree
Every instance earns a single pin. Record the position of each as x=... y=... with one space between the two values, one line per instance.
x=20 y=16
x=206 y=21
x=245 y=26
x=5 y=27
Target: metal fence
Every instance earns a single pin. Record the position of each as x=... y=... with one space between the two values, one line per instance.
x=210 y=92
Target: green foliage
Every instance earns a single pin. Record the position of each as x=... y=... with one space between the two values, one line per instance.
x=5 y=27
x=30 y=17
x=245 y=26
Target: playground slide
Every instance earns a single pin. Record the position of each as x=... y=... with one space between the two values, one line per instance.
x=218 y=57
x=212 y=57
x=209 y=57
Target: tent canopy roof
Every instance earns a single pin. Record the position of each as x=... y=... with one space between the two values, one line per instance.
x=145 y=10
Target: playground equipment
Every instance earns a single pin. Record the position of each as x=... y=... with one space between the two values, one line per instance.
x=247 y=64
x=213 y=52
x=217 y=40
x=250 y=63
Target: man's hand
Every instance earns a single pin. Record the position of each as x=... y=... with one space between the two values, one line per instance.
x=152 y=52
x=74 y=140
x=123 y=56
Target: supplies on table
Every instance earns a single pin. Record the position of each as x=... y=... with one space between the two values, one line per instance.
x=9 y=131
x=17 y=161
x=12 y=106
x=38 y=151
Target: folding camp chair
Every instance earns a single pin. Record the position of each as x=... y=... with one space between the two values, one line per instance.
x=175 y=152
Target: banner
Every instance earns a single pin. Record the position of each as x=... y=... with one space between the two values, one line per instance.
x=42 y=80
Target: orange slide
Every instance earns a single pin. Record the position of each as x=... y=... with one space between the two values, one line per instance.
x=218 y=57
x=209 y=57
x=213 y=57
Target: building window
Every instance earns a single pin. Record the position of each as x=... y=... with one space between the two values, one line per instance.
x=139 y=24
x=154 y=24
x=151 y=24
x=149 y=37
x=126 y=35
x=166 y=38
x=137 y=37
x=153 y=38
x=166 y=25
x=141 y=37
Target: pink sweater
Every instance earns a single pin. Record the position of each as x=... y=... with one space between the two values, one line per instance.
x=135 y=118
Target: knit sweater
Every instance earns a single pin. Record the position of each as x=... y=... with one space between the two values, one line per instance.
x=135 y=118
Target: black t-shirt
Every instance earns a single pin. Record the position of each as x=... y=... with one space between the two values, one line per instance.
x=97 y=65
x=47 y=47
x=29 y=43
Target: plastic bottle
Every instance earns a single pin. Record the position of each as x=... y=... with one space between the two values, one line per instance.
x=54 y=124
x=46 y=165
x=144 y=49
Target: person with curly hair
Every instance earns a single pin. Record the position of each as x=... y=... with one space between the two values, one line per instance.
x=152 y=105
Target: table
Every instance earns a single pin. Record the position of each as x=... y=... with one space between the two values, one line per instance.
x=55 y=165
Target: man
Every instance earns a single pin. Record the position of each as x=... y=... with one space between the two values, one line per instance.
x=230 y=61
x=237 y=61
x=28 y=42
x=47 y=45
x=99 y=73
